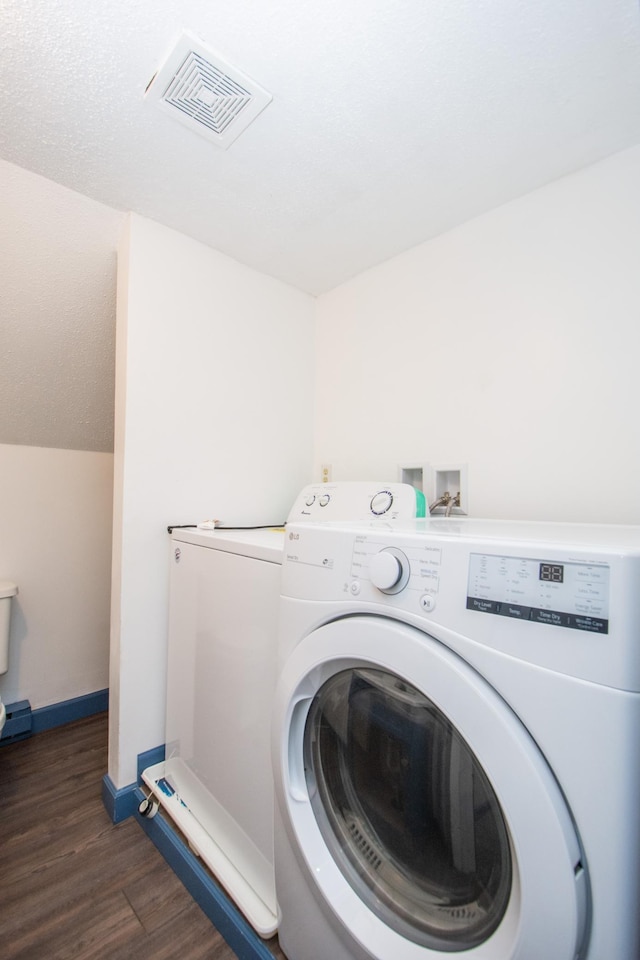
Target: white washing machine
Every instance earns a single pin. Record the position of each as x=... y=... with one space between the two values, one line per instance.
x=216 y=780
x=456 y=742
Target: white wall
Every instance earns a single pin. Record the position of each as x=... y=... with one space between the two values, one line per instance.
x=55 y=517
x=214 y=393
x=510 y=344
x=57 y=310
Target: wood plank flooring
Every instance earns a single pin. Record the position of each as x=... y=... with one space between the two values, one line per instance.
x=74 y=886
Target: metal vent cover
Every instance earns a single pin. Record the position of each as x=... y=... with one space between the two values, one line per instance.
x=198 y=88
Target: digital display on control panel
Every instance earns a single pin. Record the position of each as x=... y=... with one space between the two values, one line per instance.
x=570 y=594
x=552 y=572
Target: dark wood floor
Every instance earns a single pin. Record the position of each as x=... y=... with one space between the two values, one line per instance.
x=74 y=886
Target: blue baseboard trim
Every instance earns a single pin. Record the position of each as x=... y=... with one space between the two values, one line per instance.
x=18 y=722
x=45 y=718
x=22 y=721
x=120 y=803
x=149 y=758
x=240 y=936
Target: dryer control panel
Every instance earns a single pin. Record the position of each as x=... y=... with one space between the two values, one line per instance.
x=562 y=594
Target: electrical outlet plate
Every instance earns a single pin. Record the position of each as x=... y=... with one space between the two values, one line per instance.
x=326 y=473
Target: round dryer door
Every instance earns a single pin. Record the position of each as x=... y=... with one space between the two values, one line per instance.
x=423 y=810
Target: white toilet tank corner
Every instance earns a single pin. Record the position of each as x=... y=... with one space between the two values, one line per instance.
x=8 y=590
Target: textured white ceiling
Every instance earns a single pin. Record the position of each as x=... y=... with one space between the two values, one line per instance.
x=391 y=120
x=57 y=314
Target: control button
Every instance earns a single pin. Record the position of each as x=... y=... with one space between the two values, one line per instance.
x=381 y=503
x=324 y=499
x=355 y=588
x=310 y=500
x=427 y=602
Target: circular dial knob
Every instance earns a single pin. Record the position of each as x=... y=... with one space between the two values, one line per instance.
x=381 y=502
x=389 y=570
x=385 y=570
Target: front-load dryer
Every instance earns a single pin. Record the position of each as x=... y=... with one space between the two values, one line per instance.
x=216 y=780
x=456 y=742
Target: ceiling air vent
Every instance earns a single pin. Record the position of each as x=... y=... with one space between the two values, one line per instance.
x=197 y=88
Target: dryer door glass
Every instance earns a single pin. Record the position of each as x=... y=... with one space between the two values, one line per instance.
x=406 y=810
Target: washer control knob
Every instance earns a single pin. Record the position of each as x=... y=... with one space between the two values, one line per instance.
x=381 y=503
x=389 y=570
